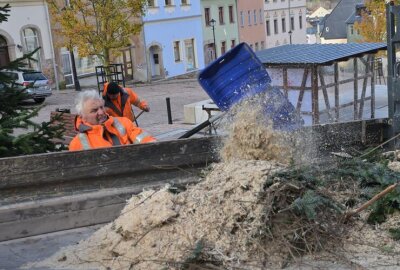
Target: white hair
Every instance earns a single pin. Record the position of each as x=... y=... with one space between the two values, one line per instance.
x=85 y=96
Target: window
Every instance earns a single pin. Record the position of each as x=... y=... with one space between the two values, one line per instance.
x=249 y=17
x=177 y=51
x=241 y=19
x=151 y=3
x=231 y=16
x=291 y=23
x=268 y=28
x=256 y=46
x=223 y=47
x=207 y=16
x=261 y=16
x=275 y=26
x=221 y=15
x=190 y=55
x=168 y=2
x=185 y=2
x=262 y=45
x=255 y=16
x=283 y=25
x=31 y=42
x=156 y=59
x=233 y=43
x=301 y=22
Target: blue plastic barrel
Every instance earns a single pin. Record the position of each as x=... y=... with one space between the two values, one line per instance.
x=239 y=74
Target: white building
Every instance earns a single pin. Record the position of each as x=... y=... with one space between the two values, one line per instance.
x=283 y=28
x=27 y=28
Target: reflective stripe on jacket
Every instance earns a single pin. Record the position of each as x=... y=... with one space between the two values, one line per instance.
x=121 y=107
x=115 y=131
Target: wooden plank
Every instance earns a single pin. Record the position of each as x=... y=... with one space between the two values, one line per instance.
x=85 y=165
x=68 y=212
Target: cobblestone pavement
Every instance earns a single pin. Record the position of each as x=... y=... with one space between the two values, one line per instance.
x=180 y=92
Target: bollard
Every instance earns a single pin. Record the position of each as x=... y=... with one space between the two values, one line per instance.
x=169 y=111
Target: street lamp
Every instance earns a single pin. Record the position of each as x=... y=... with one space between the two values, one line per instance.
x=212 y=22
x=290 y=25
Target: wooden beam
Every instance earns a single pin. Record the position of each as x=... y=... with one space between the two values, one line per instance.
x=303 y=86
x=355 y=112
x=314 y=94
x=285 y=81
x=336 y=80
x=324 y=92
x=364 y=86
x=373 y=86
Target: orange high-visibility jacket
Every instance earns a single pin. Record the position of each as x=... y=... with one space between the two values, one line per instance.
x=115 y=131
x=121 y=107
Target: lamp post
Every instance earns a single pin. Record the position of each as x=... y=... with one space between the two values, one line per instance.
x=290 y=26
x=212 y=22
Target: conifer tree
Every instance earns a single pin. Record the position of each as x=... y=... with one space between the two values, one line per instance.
x=16 y=118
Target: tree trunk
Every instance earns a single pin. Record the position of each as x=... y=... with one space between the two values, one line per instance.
x=74 y=74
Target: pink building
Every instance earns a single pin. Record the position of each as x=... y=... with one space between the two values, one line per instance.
x=251 y=23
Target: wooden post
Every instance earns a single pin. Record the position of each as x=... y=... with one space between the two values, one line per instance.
x=325 y=93
x=314 y=94
x=364 y=87
x=355 y=113
x=301 y=94
x=373 y=86
x=285 y=82
x=336 y=80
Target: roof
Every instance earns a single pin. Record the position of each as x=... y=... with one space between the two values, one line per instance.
x=335 y=24
x=316 y=54
x=356 y=17
x=320 y=12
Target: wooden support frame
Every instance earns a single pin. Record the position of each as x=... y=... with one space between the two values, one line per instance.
x=318 y=82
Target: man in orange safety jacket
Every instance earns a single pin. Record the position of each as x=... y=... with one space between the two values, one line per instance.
x=97 y=129
x=118 y=101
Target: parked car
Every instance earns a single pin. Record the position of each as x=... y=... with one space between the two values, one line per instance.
x=36 y=84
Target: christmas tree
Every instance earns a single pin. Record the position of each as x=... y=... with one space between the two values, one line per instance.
x=34 y=138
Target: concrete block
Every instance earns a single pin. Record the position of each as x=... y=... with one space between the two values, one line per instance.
x=195 y=114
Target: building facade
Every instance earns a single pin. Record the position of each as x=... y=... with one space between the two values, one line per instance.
x=336 y=28
x=219 y=27
x=251 y=23
x=27 y=29
x=285 y=22
x=173 y=39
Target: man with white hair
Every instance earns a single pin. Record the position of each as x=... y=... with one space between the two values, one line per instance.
x=97 y=129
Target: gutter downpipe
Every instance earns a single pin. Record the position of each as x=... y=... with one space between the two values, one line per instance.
x=52 y=46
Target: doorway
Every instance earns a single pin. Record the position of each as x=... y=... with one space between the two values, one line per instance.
x=67 y=68
x=4 y=56
x=128 y=62
x=155 y=61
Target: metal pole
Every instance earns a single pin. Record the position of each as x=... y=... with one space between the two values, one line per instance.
x=215 y=46
x=169 y=111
